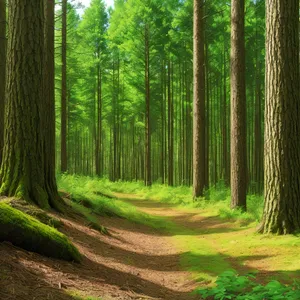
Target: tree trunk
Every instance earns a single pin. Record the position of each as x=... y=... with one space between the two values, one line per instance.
x=23 y=173
x=199 y=102
x=282 y=119
x=98 y=156
x=64 y=157
x=148 y=179
x=224 y=124
x=170 y=130
x=49 y=107
x=2 y=70
x=162 y=108
x=258 y=148
x=238 y=107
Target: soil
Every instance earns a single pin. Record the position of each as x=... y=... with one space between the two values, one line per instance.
x=134 y=262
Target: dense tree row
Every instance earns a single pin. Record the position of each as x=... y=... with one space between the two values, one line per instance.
x=145 y=91
x=133 y=75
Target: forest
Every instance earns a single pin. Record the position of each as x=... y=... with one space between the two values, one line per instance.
x=149 y=149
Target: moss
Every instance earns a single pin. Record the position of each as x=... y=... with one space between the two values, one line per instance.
x=35 y=212
x=28 y=233
x=76 y=296
x=99 y=228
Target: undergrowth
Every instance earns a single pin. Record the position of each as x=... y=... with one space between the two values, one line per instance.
x=230 y=285
x=216 y=200
x=87 y=197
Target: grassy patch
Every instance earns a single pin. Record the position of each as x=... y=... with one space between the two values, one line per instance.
x=85 y=189
x=216 y=200
x=28 y=233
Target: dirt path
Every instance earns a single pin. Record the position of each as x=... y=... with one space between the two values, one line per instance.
x=136 y=262
x=214 y=245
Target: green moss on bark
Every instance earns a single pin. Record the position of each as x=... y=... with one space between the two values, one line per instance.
x=28 y=233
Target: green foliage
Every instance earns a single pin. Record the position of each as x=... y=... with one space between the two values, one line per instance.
x=28 y=233
x=230 y=285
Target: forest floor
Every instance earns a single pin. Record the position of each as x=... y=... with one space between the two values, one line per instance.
x=138 y=262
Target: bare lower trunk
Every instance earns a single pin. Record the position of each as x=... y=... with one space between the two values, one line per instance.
x=64 y=158
x=199 y=102
x=238 y=107
x=282 y=115
x=2 y=70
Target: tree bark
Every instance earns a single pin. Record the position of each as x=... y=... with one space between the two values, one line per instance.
x=23 y=173
x=148 y=179
x=238 y=107
x=49 y=106
x=98 y=157
x=162 y=107
x=64 y=157
x=282 y=119
x=170 y=130
x=2 y=70
x=199 y=102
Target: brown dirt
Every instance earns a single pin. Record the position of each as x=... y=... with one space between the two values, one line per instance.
x=211 y=229
x=135 y=262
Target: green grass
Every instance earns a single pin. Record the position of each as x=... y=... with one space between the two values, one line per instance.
x=216 y=200
x=85 y=189
x=30 y=234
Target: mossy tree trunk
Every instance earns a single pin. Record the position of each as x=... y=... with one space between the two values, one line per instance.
x=23 y=172
x=282 y=119
x=2 y=70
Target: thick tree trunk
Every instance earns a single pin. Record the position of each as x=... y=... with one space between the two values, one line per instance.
x=2 y=70
x=282 y=115
x=199 y=102
x=23 y=173
x=64 y=157
x=238 y=107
